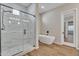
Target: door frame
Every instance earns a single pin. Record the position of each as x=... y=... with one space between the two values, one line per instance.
x=76 y=26
x=0 y=30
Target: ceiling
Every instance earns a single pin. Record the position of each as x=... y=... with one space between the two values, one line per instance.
x=25 y=4
x=43 y=7
x=48 y=6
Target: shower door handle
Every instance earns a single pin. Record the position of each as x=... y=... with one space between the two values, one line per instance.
x=24 y=31
x=2 y=17
x=2 y=28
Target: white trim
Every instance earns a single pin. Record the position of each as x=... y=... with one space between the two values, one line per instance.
x=36 y=47
x=77 y=28
x=62 y=30
x=68 y=44
x=62 y=25
x=58 y=43
x=77 y=48
x=37 y=43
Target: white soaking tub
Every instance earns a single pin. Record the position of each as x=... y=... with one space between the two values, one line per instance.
x=46 y=39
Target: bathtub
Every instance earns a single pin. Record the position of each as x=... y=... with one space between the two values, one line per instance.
x=46 y=39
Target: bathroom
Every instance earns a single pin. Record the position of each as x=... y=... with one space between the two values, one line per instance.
x=29 y=28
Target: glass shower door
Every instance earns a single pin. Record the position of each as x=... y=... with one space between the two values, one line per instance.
x=28 y=31
x=17 y=31
x=26 y=36
x=11 y=34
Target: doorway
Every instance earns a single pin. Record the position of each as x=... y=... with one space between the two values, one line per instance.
x=69 y=28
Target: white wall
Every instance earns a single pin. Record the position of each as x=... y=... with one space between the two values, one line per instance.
x=52 y=21
x=31 y=9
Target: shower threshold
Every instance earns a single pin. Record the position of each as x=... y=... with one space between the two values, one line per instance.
x=27 y=50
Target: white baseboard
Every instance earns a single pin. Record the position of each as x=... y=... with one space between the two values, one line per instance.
x=77 y=48
x=58 y=43
x=36 y=47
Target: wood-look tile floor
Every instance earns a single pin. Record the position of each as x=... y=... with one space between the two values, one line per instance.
x=53 y=50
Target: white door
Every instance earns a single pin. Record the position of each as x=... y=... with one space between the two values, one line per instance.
x=69 y=28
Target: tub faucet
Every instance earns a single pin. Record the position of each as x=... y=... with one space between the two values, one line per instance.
x=47 y=32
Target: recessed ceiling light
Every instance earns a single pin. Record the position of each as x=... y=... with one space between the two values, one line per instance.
x=42 y=6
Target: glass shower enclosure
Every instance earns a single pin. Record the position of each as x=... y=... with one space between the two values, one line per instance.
x=17 y=31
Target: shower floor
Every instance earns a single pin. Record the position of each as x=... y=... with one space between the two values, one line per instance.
x=53 y=50
x=16 y=51
x=28 y=48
